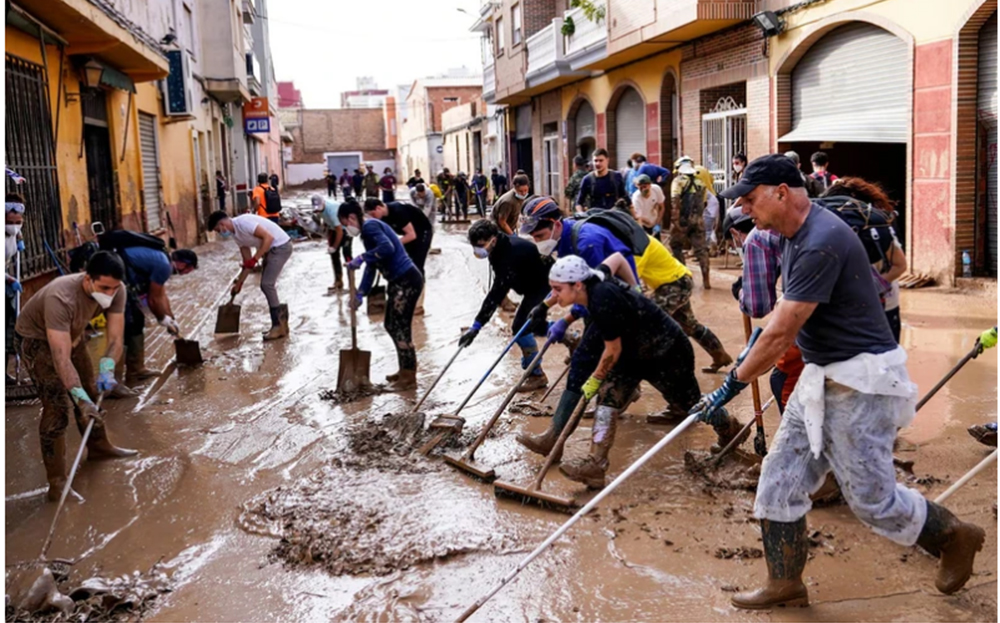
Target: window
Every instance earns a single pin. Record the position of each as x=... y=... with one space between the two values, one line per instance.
x=515 y=18
x=500 y=41
x=188 y=26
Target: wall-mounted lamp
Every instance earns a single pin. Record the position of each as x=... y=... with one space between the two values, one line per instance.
x=90 y=79
x=769 y=23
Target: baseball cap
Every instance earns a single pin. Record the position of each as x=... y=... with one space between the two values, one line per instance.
x=769 y=170
x=642 y=179
x=536 y=210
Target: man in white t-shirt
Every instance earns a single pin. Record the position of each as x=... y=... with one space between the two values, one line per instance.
x=647 y=203
x=272 y=245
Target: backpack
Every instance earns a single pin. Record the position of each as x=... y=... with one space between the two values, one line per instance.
x=272 y=201
x=872 y=225
x=115 y=241
x=622 y=225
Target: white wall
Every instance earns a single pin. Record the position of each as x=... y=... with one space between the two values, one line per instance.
x=301 y=173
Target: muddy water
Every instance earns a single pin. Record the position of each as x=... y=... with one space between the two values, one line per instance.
x=248 y=431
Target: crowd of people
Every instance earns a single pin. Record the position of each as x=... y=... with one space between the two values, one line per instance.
x=613 y=255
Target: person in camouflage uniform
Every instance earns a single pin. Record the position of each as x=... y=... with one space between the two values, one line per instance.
x=687 y=222
x=573 y=185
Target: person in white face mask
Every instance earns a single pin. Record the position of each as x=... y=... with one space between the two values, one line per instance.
x=50 y=330
x=14 y=218
x=507 y=208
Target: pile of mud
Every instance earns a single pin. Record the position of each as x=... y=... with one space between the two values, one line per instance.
x=531 y=408
x=53 y=597
x=387 y=444
x=338 y=397
x=738 y=471
x=325 y=521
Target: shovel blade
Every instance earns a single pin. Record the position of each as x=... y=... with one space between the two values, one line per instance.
x=187 y=352
x=228 y=320
x=355 y=366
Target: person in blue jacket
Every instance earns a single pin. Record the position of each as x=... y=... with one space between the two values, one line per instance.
x=384 y=252
x=656 y=173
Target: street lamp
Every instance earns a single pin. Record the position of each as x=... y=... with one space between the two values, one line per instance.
x=769 y=23
x=92 y=72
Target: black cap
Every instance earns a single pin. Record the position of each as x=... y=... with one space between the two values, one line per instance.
x=769 y=170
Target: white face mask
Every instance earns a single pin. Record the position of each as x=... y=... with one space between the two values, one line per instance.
x=738 y=168
x=13 y=230
x=547 y=247
x=481 y=252
x=352 y=231
x=104 y=300
x=519 y=196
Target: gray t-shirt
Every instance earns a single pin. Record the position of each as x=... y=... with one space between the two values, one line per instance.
x=825 y=263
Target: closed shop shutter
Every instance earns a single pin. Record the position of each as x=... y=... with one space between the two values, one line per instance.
x=586 y=127
x=853 y=85
x=150 y=171
x=630 y=127
x=987 y=105
x=523 y=127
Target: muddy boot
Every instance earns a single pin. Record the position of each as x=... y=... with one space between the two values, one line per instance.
x=955 y=541
x=985 y=434
x=786 y=551
x=406 y=380
x=707 y=340
x=706 y=267
x=726 y=430
x=279 y=323
x=671 y=415
x=135 y=360
x=590 y=470
x=535 y=381
x=99 y=447
x=55 y=469
x=542 y=444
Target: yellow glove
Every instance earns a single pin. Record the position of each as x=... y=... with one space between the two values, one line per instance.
x=591 y=387
x=988 y=339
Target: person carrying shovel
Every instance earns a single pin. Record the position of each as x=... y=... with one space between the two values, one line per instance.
x=50 y=330
x=336 y=241
x=385 y=253
x=272 y=245
x=518 y=267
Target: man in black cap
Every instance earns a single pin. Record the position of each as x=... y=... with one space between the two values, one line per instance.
x=853 y=395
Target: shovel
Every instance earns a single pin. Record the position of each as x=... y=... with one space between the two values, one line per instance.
x=355 y=365
x=188 y=352
x=465 y=463
x=228 y=320
x=452 y=424
x=759 y=440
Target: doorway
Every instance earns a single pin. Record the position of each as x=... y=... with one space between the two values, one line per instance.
x=100 y=166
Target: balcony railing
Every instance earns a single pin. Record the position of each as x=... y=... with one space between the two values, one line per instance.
x=589 y=41
x=489 y=82
x=545 y=51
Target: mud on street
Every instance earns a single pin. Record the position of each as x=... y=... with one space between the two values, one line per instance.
x=263 y=501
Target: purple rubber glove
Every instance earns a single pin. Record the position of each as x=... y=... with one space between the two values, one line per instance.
x=557 y=330
x=356 y=263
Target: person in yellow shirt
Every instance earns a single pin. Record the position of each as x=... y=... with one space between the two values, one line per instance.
x=672 y=284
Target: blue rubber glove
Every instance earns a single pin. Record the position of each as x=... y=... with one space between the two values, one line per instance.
x=356 y=263
x=557 y=330
x=656 y=230
x=578 y=311
x=106 y=375
x=16 y=286
x=470 y=334
x=709 y=408
x=591 y=387
x=20 y=245
x=356 y=301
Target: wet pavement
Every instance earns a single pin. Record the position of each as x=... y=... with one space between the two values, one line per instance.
x=242 y=451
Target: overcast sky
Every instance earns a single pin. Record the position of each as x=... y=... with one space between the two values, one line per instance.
x=323 y=46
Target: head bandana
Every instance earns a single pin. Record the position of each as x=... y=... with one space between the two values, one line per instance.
x=571 y=269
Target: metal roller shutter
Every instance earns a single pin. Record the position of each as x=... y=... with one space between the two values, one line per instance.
x=522 y=127
x=987 y=105
x=630 y=127
x=585 y=124
x=853 y=85
x=150 y=171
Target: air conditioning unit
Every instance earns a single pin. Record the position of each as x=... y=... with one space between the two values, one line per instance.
x=178 y=85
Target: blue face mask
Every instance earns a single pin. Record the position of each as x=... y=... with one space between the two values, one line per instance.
x=226 y=234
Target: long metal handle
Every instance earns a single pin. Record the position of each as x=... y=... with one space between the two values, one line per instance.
x=354 y=313
x=947 y=377
x=506 y=350
x=555 y=383
x=436 y=379
x=563 y=436
x=506 y=401
x=967 y=477
x=760 y=441
x=580 y=514
x=69 y=481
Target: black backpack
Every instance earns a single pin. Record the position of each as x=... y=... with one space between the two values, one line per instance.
x=872 y=225
x=115 y=241
x=622 y=225
x=272 y=201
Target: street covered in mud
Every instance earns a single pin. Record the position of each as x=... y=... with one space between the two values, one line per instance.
x=258 y=497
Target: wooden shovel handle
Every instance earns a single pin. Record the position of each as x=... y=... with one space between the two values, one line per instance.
x=563 y=436
x=755 y=388
x=354 y=312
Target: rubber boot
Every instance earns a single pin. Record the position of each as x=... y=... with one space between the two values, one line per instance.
x=707 y=340
x=955 y=541
x=727 y=429
x=706 y=267
x=279 y=323
x=99 y=447
x=543 y=443
x=537 y=380
x=406 y=380
x=591 y=469
x=121 y=390
x=135 y=360
x=55 y=469
x=786 y=551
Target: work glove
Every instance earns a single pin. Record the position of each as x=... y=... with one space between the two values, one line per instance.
x=557 y=330
x=656 y=230
x=106 y=375
x=356 y=301
x=20 y=246
x=987 y=339
x=578 y=311
x=470 y=334
x=170 y=325
x=709 y=408
x=15 y=286
x=250 y=263
x=355 y=263
x=591 y=387
x=737 y=287
x=331 y=250
x=540 y=313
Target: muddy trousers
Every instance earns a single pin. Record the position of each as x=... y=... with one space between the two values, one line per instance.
x=401 y=300
x=274 y=261
x=675 y=299
x=527 y=342
x=56 y=402
x=858 y=433
x=689 y=234
x=338 y=265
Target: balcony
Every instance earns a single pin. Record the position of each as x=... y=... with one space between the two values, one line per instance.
x=249 y=12
x=489 y=83
x=589 y=42
x=546 y=61
x=253 y=75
